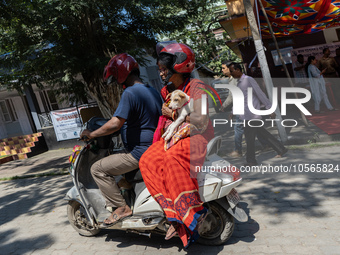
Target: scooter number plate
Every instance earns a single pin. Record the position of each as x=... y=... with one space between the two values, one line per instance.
x=233 y=198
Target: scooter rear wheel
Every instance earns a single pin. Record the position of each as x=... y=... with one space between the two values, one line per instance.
x=217 y=227
x=77 y=219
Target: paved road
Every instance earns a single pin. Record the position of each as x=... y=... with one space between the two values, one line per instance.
x=288 y=214
x=52 y=161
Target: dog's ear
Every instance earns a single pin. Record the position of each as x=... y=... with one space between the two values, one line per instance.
x=182 y=94
x=168 y=96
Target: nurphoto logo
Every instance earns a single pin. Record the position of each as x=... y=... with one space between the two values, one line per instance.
x=239 y=102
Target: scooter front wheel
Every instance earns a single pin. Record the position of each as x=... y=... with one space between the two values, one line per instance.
x=77 y=219
x=217 y=227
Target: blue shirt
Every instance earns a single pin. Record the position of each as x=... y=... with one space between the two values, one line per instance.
x=141 y=106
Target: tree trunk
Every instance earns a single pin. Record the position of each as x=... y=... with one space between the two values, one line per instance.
x=107 y=96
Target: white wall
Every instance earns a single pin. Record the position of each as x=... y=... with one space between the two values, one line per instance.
x=3 y=131
x=330 y=35
x=142 y=69
x=150 y=72
x=22 y=116
x=4 y=94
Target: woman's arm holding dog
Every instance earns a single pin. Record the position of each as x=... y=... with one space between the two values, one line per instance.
x=196 y=117
x=166 y=111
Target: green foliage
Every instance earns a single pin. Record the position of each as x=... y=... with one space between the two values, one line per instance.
x=202 y=20
x=67 y=43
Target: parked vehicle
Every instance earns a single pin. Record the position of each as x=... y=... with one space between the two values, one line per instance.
x=223 y=93
x=86 y=207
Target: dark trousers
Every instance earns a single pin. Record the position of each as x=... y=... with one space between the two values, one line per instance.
x=251 y=133
x=336 y=93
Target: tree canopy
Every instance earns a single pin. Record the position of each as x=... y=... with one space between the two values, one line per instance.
x=67 y=43
x=199 y=35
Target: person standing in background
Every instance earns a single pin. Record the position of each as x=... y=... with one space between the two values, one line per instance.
x=337 y=60
x=238 y=128
x=317 y=84
x=330 y=66
x=258 y=98
x=231 y=81
x=301 y=79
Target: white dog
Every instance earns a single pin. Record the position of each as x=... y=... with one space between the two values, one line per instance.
x=179 y=101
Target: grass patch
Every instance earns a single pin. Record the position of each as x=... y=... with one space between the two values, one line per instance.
x=312 y=146
x=56 y=173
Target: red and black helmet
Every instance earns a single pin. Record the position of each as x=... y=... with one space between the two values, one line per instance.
x=184 y=57
x=119 y=67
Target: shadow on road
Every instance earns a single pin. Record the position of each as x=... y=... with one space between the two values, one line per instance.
x=34 y=196
x=277 y=197
x=244 y=232
x=25 y=245
x=36 y=164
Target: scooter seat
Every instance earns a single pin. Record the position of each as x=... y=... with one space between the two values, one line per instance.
x=134 y=176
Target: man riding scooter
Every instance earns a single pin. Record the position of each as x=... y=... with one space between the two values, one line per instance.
x=136 y=117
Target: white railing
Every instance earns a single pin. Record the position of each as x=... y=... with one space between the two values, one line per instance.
x=45 y=120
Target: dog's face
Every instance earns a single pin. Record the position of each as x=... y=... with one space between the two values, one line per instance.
x=178 y=99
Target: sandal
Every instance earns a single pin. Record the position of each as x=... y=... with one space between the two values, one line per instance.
x=172 y=231
x=282 y=153
x=200 y=221
x=116 y=218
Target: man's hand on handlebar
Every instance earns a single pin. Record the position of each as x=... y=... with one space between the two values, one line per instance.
x=86 y=135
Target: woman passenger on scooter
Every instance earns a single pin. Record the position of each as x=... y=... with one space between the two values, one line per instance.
x=169 y=174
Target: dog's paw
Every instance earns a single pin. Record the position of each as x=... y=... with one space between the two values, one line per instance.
x=168 y=134
x=167 y=137
x=165 y=134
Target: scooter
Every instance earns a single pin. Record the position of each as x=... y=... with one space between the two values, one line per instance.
x=217 y=180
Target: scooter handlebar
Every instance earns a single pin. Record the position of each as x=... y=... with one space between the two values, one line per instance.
x=85 y=139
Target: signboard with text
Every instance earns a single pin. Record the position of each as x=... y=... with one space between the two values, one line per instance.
x=315 y=50
x=66 y=123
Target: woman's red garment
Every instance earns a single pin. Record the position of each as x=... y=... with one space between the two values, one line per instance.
x=160 y=129
x=168 y=175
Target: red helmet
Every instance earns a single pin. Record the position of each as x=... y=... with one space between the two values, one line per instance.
x=184 y=57
x=120 y=66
